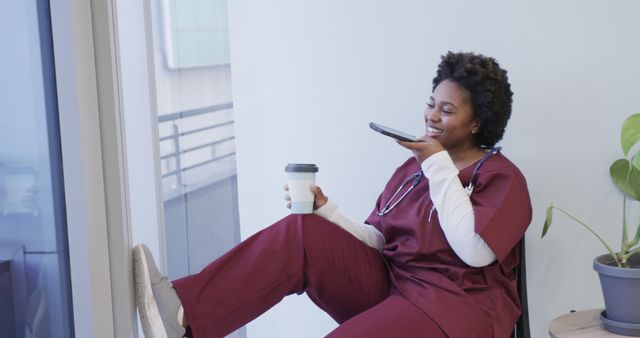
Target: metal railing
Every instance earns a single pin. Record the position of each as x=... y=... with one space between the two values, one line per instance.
x=177 y=137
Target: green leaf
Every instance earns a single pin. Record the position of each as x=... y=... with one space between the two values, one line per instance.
x=547 y=220
x=630 y=134
x=626 y=178
x=635 y=161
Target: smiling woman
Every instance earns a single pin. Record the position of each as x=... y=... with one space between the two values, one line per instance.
x=430 y=253
x=485 y=91
x=450 y=118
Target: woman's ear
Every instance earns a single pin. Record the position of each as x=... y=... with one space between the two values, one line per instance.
x=476 y=127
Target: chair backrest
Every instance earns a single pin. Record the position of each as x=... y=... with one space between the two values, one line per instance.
x=522 y=326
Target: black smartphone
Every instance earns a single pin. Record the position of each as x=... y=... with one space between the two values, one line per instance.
x=392 y=132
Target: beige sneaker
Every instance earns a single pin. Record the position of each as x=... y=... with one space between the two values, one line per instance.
x=157 y=301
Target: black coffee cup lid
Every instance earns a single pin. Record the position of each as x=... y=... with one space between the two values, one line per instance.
x=301 y=168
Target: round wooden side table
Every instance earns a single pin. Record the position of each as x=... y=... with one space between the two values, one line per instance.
x=583 y=324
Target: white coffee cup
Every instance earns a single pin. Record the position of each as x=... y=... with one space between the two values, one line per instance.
x=300 y=178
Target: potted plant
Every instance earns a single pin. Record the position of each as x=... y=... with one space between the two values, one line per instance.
x=619 y=271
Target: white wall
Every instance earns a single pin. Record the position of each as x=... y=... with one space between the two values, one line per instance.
x=309 y=76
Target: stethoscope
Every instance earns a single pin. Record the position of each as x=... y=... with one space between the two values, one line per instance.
x=469 y=187
x=417 y=177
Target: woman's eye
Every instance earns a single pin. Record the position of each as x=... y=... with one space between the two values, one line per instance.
x=431 y=105
x=446 y=111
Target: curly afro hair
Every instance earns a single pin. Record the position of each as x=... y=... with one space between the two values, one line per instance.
x=489 y=87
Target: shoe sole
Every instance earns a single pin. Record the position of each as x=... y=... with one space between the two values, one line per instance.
x=150 y=319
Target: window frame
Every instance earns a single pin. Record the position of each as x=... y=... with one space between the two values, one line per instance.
x=82 y=168
x=99 y=196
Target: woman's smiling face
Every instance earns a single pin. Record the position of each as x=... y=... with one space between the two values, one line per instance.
x=449 y=117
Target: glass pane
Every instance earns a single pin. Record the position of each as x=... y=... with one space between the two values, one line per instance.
x=196 y=131
x=35 y=297
x=196 y=32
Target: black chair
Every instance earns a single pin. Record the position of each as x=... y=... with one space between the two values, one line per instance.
x=522 y=326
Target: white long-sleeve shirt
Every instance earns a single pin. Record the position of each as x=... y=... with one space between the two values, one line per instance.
x=455 y=213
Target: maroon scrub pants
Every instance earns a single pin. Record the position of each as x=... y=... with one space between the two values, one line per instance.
x=301 y=253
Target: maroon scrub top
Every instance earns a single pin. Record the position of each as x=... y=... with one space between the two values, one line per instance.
x=463 y=300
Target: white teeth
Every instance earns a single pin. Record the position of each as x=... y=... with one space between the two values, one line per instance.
x=433 y=130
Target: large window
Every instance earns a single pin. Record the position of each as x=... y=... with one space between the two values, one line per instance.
x=35 y=297
x=196 y=132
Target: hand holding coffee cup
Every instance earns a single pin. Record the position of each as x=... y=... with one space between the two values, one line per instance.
x=320 y=198
x=300 y=179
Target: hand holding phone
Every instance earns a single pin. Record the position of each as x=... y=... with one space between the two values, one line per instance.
x=392 y=132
